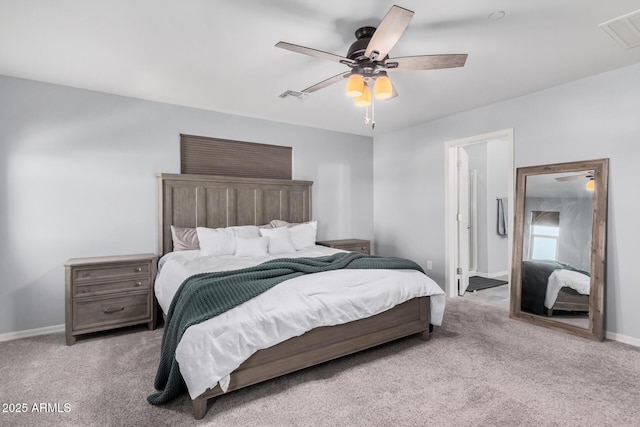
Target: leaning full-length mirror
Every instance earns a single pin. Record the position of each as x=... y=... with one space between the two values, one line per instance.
x=559 y=246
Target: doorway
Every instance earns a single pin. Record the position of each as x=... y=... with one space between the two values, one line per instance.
x=479 y=180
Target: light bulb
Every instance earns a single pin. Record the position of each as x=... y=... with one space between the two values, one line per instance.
x=591 y=185
x=382 y=89
x=355 y=86
x=365 y=99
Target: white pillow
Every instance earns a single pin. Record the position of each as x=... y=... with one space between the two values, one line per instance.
x=304 y=235
x=279 y=240
x=252 y=246
x=246 y=231
x=216 y=241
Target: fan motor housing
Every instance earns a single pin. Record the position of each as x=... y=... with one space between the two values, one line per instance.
x=357 y=48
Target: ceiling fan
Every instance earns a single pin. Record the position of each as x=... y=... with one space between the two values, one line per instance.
x=581 y=176
x=368 y=59
x=577 y=177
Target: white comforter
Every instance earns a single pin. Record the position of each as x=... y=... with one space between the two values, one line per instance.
x=560 y=278
x=210 y=351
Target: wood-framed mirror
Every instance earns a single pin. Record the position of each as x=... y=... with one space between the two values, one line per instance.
x=559 y=246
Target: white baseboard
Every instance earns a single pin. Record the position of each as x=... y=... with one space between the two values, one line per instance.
x=622 y=338
x=31 y=333
x=60 y=328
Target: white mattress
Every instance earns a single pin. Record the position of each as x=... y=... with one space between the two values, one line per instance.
x=210 y=351
x=581 y=283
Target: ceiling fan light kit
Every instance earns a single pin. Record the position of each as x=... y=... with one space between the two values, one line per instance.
x=355 y=86
x=368 y=58
x=382 y=88
x=364 y=100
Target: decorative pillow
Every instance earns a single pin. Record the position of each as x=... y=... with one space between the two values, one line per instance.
x=275 y=223
x=279 y=240
x=216 y=241
x=304 y=235
x=252 y=246
x=184 y=239
x=246 y=231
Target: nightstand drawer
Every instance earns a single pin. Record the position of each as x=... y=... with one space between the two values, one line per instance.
x=356 y=248
x=94 y=289
x=113 y=310
x=109 y=272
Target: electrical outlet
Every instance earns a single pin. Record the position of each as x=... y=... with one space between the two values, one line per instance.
x=429 y=265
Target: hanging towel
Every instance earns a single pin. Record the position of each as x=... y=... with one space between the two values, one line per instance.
x=502 y=217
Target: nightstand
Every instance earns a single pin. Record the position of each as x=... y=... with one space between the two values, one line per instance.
x=109 y=292
x=351 y=245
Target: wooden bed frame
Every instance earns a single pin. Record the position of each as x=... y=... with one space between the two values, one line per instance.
x=569 y=300
x=219 y=201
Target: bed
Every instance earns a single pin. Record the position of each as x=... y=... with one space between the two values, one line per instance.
x=549 y=286
x=225 y=202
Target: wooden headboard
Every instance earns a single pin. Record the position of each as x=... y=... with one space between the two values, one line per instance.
x=223 y=201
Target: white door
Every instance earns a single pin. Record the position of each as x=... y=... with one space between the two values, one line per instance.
x=463 y=221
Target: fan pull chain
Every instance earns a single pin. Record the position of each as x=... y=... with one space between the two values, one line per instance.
x=373 y=113
x=371 y=119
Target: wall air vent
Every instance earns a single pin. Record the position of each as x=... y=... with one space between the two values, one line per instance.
x=625 y=29
x=294 y=95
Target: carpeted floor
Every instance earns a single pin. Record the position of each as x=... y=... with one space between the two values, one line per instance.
x=479 y=369
x=477 y=283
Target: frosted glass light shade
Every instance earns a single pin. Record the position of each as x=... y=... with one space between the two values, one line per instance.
x=591 y=185
x=382 y=89
x=355 y=86
x=365 y=99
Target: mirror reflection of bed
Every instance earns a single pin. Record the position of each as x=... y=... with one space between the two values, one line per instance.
x=562 y=290
x=556 y=246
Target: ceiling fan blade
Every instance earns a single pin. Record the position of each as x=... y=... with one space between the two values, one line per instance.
x=314 y=52
x=327 y=82
x=388 y=32
x=426 y=62
x=579 y=177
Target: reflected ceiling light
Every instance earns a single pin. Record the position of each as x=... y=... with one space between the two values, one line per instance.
x=355 y=86
x=591 y=185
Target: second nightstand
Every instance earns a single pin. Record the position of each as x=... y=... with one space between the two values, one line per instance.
x=351 y=245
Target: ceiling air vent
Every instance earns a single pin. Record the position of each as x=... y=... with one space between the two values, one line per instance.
x=625 y=29
x=294 y=95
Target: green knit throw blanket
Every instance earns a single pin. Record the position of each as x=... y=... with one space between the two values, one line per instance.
x=207 y=295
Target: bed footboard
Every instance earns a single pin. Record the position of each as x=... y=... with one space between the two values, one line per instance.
x=324 y=344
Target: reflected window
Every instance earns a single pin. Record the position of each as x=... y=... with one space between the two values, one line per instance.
x=545 y=231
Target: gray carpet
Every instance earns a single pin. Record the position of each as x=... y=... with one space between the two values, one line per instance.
x=477 y=283
x=479 y=369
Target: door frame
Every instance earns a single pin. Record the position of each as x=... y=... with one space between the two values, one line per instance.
x=451 y=196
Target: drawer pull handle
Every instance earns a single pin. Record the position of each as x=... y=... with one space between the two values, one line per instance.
x=85 y=274
x=138 y=269
x=113 y=309
x=85 y=289
x=138 y=283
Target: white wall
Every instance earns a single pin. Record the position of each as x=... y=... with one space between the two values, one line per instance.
x=77 y=178
x=497 y=186
x=592 y=118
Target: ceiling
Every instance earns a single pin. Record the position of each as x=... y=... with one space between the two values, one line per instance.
x=219 y=54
